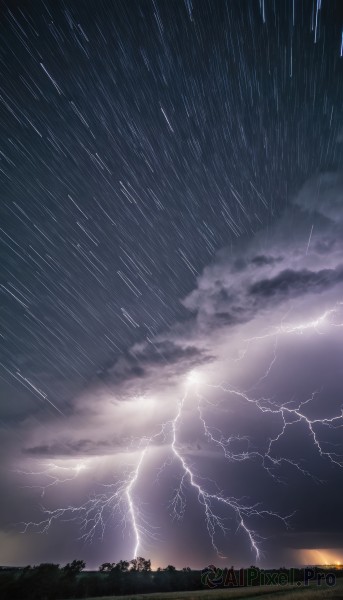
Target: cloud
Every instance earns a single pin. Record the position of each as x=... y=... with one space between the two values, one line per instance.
x=291 y=283
x=288 y=273
x=262 y=261
x=299 y=256
x=323 y=194
x=72 y=448
x=142 y=358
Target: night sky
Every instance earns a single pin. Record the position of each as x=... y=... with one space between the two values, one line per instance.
x=171 y=281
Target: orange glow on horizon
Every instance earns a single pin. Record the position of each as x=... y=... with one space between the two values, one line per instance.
x=320 y=556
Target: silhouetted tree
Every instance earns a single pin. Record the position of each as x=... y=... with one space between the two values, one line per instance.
x=74 y=568
x=107 y=567
x=140 y=564
x=122 y=566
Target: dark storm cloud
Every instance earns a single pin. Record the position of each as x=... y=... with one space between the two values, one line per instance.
x=141 y=359
x=300 y=255
x=290 y=283
x=72 y=448
x=261 y=261
x=169 y=352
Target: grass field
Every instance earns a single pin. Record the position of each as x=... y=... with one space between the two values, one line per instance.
x=267 y=592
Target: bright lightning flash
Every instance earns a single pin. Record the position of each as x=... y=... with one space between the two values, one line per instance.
x=194 y=377
x=118 y=498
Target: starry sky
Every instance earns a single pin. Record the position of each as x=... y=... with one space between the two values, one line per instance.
x=171 y=204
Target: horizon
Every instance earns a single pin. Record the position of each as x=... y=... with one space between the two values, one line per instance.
x=325 y=566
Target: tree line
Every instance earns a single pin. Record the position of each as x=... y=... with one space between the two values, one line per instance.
x=49 y=581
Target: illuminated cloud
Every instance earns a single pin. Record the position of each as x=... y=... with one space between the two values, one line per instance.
x=253 y=410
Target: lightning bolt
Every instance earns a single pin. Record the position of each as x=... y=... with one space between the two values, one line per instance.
x=119 y=498
x=207 y=499
x=92 y=515
x=330 y=317
x=55 y=474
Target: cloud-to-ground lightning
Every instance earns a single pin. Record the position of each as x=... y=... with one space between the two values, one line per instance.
x=118 y=499
x=115 y=500
x=214 y=522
